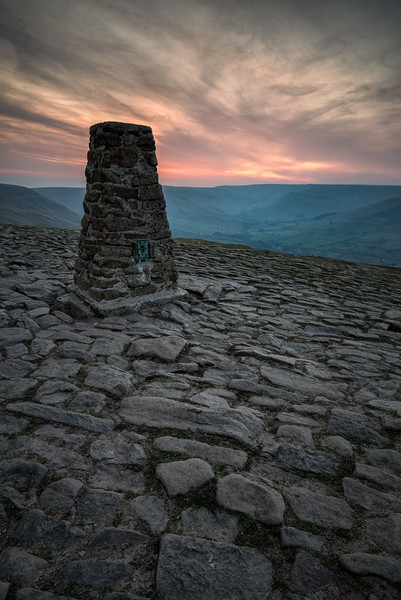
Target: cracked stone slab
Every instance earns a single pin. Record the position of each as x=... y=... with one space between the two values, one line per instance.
x=194 y=569
x=182 y=477
x=326 y=511
x=68 y=417
x=164 y=413
x=257 y=501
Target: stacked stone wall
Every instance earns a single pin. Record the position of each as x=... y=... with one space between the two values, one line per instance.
x=124 y=204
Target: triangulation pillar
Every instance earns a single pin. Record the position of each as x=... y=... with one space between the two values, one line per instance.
x=125 y=256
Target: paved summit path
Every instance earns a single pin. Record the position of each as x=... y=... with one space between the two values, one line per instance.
x=240 y=444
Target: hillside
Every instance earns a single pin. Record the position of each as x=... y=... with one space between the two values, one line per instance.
x=240 y=442
x=371 y=235
x=323 y=220
x=23 y=206
x=71 y=198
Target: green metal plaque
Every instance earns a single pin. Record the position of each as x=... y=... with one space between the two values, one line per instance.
x=143 y=251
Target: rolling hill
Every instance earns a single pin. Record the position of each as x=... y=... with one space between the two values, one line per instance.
x=23 y=206
x=351 y=222
x=371 y=234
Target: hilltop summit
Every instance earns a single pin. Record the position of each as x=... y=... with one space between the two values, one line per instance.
x=240 y=442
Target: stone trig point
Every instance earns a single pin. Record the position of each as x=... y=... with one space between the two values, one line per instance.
x=125 y=256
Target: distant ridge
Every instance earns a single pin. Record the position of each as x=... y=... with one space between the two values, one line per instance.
x=23 y=206
x=360 y=223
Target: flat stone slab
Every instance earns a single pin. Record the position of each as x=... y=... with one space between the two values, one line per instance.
x=67 y=417
x=121 y=306
x=194 y=569
x=348 y=428
x=14 y=335
x=110 y=379
x=16 y=389
x=290 y=536
x=184 y=477
x=165 y=348
x=301 y=383
x=361 y=563
x=58 y=457
x=97 y=574
x=319 y=509
x=21 y=566
x=61 y=494
x=118 y=452
x=257 y=501
x=216 y=454
x=201 y=522
x=150 y=511
x=25 y=471
x=368 y=497
x=32 y=594
x=111 y=536
x=36 y=528
x=109 y=478
x=309 y=575
x=311 y=461
x=96 y=504
x=10 y=425
x=388 y=459
x=385 y=532
x=378 y=476
x=162 y=412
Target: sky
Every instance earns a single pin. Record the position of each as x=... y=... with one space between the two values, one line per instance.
x=236 y=92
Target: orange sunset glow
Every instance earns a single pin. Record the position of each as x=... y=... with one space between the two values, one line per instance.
x=277 y=91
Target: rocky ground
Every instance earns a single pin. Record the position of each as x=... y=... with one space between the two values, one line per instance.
x=240 y=444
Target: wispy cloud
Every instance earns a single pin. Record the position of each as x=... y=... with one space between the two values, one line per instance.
x=291 y=90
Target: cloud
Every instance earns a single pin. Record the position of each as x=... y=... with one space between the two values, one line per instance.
x=285 y=88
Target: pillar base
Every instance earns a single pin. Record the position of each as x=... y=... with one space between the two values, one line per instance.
x=121 y=306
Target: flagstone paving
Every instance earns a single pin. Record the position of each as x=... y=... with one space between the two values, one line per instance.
x=240 y=443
